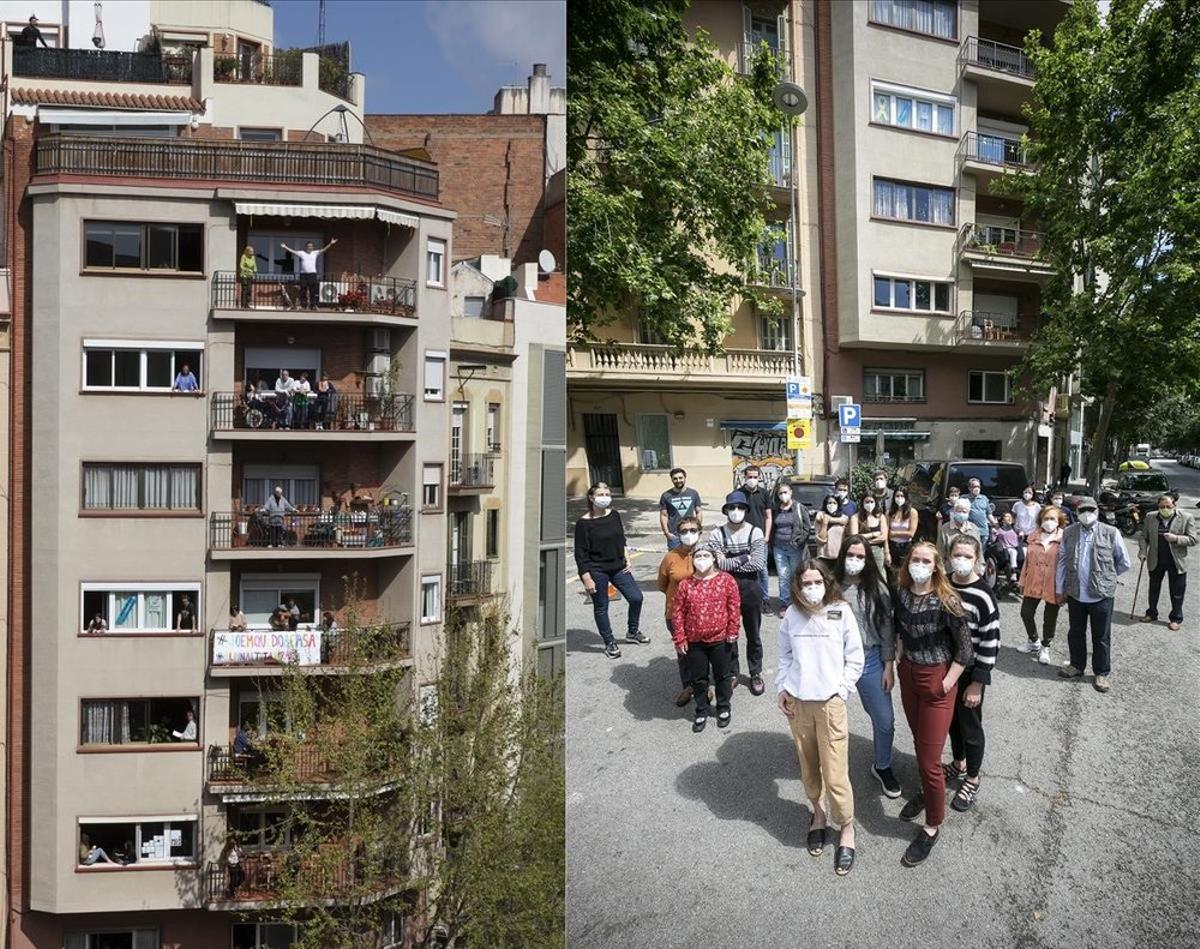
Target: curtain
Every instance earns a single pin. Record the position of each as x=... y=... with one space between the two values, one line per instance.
x=156 y=611
x=944 y=16
x=884 y=204
x=942 y=206
x=925 y=116
x=945 y=119
x=883 y=108
x=124 y=486
x=904 y=112
x=105 y=723
x=158 y=488
x=185 y=488
x=921 y=16
x=97 y=487
x=126 y=614
x=903 y=202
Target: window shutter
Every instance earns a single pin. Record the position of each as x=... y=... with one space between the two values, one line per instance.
x=554 y=397
x=433 y=373
x=785 y=48
x=145 y=939
x=747 y=50
x=431 y=475
x=554 y=494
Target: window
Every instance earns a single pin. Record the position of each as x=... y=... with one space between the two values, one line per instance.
x=273 y=259
x=493 y=426
x=301 y=483
x=431 y=599
x=112 y=939
x=435 y=261
x=776 y=333
x=990 y=449
x=265 y=935
x=142 y=608
x=649 y=336
x=263 y=828
x=912 y=109
x=121 y=245
x=392 y=930
x=932 y=17
x=260 y=135
x=134 y=840
x=431 y=487
x=473 y=307
x=139 y=721
x=893 y=385
x=902 y=293
x=654 y=443
x=435 y=377
x=989 y=387
x=491 y=537
x=119 y=131
x=160 y=487
x=925 y=204
x=144 y=366
x=261 y=594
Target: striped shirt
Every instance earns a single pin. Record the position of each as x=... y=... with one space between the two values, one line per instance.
x=744 y=548
x=983 y=620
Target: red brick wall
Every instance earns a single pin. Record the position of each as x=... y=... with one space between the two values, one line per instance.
x=343 y=352
x=333 y=587
x=489 y=164
x=364 y=467
x=362 y=247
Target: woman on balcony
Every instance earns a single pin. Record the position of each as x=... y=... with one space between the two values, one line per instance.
x=247 y=271
x=600 y=555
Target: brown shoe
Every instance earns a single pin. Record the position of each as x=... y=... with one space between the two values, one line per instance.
x=684 y=697
x=1172 y=626
x=1146 y=619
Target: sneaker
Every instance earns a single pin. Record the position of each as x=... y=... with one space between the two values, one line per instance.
x=723 y=719
x=913 y=807
x=699 y=723
x=887 y=780
x=1068 y=671
x=756 y=685
x=637 y=636
x=684 y=697
x=1101 y=684
x=1030 y=645
x=919 y=849
x=1044 y=655
x=612 y=650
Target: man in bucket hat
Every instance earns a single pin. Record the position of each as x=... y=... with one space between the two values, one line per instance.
x=743 y=553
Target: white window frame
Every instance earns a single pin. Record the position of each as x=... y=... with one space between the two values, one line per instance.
x=435 y=253
x=165 y=819
x=440 y=468
x=433 y=580
x=142 y=346
x=260 y=128
x=783 y=330
x=640 y=431
x=884 y=371
x=492 y=426
x=914 y=186
x=259 y=582
x=912 y=280
x=192 y=587
x=908 y=29
x=933 y=99
x=135 y=746
x=983 y=374
x=144 y=937
x=440 y=357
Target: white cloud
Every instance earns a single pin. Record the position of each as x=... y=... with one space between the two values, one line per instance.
x=482 y=37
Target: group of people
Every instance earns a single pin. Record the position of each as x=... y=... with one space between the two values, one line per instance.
x=306 y=259
x=874 y=604
x=185 y=618
x=292 y=403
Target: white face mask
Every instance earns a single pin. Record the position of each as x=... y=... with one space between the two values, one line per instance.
x=737 y=515
x=962 y=566
x=752 y=483
x=831 y=508
x=688 y=538
x=702 y=564
x=1087 y=518
x=602 y=501
x=839 y=494
x=868 y=506
x=1028 y=496
x=785 y=496
x=920 y=572
x=975 y=491
x=880 y=483
x=1049 y=525
x=900 y=500
x=813 y=594
x=855 y=565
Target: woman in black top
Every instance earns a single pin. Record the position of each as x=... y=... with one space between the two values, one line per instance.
x=600 y=557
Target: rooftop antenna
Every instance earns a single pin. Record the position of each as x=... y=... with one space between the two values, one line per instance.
x=321 y=23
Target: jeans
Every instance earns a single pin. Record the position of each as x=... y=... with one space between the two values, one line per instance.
x=928 y=710
x=309 y=290
x=878 y=706
x=628 y=588
x=1029 y=607
x=748 y=587
x=699 y=657
x=966 y=732
x=787 y=559
x=1100 y=614
x=762 y=583
x=1177 y=581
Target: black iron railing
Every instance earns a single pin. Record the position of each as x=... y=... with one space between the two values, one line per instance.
x=472 y=471
x=993 y=150
x=383 y=526
x=354 y=294
x=312 y=411
x=100 y=65
x=304 y=163
x=470 y=579
x=265 y=875
x=255 y=648
x=284 y=68
x=999 y=57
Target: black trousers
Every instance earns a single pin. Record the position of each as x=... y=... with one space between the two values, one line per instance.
x=685 y=677
x=1029 y=607
x=1177 y=582
x=966 y=732
x=699 y=657
x=309 y=290
x=751 y=594
x=1099 y=614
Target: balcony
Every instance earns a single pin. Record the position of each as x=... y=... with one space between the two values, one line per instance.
x=469 y=581
x=311 y=165
x=989 y=157
x=772 y=273
x=1003 y=73
x=284 y=765
x=339 y=417
x=471 y=474
x=881 y=398
x=984 y=330
x=352 y=299
x=634 y=364
x=748 y=51
x=337 y=876
x=285 y=68
x=381 y=531
x=265 y=652
x=99 y=65
x=1007 y=252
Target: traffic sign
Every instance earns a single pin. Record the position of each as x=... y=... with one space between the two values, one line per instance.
x=799 y=433
x=799 y=396
x=850 y=416
x=851 y=436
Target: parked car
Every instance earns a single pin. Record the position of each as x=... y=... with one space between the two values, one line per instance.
x=811 y=493
x=928 y=481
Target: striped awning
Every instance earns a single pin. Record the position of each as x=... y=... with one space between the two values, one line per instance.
x=351 y=212
x=395 y=217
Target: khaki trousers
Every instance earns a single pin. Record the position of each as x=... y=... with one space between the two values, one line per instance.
x=823 y=746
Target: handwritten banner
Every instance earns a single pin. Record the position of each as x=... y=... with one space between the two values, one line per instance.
x=301 y=646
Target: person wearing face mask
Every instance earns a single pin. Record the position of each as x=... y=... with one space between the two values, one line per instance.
x=790 y=529
x=1090 y=558
x=1026 y=513
x=678 y=502
x=982 y=508
x=704 y=621
x=820 y=660
x=600 y=555
x=958 y=525
x=1163 y=543
x=1006 y=533
x=841 y=491
x=902 y=528
x=879 y=491
x=1037 y=582
x=863 y=585
x=758 y=513
x=933 y=647
x=1056 y=499
x=743 y=553
x=676 y=567
x=870 y=523
x=831 y=526
x=983 y=623
x=947 y=509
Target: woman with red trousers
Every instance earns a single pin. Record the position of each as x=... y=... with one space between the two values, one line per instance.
x=933 y=646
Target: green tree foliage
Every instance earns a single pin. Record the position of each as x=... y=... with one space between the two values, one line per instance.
x=666 y=173
x=1113 y=128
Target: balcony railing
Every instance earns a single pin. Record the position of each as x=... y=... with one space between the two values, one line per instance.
x=100 y=65
x=384 y=526
x=999 y=57
x=331 y=412
x=266 y=874
x=772 y=273
x=316 y=164
x=269 y=69
x=993 y=150
x=310 y=646
x=347 y=293
x=664 y=360
x=879 y=397
x=470 y=579
x=750 y=50
x=997 y=241
x=983 y=326
x=472 y=471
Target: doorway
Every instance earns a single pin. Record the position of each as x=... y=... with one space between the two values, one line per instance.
x=603 y=447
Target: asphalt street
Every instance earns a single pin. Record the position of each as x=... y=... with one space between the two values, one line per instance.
x=1086 y=831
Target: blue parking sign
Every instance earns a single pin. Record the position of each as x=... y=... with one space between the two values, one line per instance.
x=850 y=416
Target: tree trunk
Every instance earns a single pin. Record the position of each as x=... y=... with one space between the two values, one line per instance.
x=1100 y=439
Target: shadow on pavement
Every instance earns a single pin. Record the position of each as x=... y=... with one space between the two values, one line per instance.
x=584 y=640
x=1022 y=665
x=650 y=689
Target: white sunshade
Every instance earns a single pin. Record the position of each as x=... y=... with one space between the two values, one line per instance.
x=53 y=116
x=395 y=217
x=355 y=212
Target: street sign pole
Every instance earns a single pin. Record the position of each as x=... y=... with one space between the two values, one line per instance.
x=793 y=180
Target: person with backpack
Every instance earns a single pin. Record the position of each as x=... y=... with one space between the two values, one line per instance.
x=791 y=526
x=742 y=552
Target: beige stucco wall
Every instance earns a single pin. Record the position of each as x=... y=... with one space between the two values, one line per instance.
x=242 y=17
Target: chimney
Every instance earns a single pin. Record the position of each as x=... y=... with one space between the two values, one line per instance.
x=539 y=90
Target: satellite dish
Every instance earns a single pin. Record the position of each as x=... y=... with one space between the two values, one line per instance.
x=546 y=262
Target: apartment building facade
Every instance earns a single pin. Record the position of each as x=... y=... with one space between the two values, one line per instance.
x=133 y=178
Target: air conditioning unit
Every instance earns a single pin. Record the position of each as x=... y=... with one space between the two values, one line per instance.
x=330 y=290
x=379 y=340
x=383 y=295
x=373 y=387
x=378 y=364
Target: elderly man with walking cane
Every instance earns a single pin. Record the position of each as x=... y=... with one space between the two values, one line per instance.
x=1163 y=546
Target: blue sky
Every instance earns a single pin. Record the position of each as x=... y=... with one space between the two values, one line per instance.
x=435 y=55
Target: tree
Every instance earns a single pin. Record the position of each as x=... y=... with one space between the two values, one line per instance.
x=1113 y=134
x=666 y=173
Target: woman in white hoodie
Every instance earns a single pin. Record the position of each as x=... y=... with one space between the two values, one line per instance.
x=820 y=660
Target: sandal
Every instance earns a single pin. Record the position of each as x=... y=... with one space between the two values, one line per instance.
x=844 y=861
x=816 y=842
x=951 y=773
x=965 y=797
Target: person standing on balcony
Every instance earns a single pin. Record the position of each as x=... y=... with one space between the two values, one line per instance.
x=600 y=555
x=676 y=504
x=31 y=35
x=301 y=396
x=247 y=271
x=758 y=515
x=326 y=403
x=308 y=271
x=231 y=856
x=285 y=385
x=276 y=507
x=237 y=620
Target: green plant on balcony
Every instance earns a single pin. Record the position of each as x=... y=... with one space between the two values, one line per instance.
x=352 y=300
x=224 y=67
